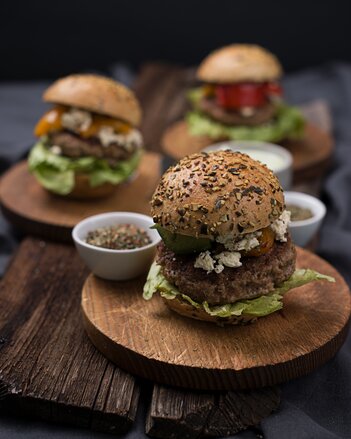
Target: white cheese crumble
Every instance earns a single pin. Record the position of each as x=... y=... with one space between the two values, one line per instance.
x=229 y=259
x=55 y=149
x=76 y=120
x=217 y=264
x=130 y=140
x=247 y=243
x=280 y=226
x=205 y=261
x=247 y=111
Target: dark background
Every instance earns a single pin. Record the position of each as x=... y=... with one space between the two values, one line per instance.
x=46 y=39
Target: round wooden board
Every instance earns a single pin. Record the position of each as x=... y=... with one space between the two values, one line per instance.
x=149 y=340
x=311 y=155
x=35 y=211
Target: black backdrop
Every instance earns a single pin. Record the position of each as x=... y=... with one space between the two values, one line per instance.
x=46 y=39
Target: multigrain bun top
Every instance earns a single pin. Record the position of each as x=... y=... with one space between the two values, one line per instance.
x=239 y=63
x=217 y=194
x=97 y=94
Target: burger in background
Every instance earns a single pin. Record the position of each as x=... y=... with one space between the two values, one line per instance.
x=89 y=141
x=241 y=98
x=226 y=255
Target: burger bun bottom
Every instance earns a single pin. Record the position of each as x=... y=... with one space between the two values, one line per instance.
x=185 y=309
x=83 y=191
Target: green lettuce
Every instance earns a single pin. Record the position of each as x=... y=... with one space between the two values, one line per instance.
x=258 y=307
x=288 y=123
x=56 y=173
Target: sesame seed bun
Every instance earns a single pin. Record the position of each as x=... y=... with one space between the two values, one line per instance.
x=218 y=194
x=83 y=191
x=239 y=63
x=97 y=94
x=185 y=309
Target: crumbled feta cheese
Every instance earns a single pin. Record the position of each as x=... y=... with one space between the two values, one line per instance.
x=217 y=264
x=219 y=268
x=205 y=261
x=55 y=149
x=247 y=111
x=76 y=120
x=280 y=226
x=130 y=140
x=229 y=259
x=247 y=243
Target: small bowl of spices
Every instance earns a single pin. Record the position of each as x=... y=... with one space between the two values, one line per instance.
x=116 y=245
x=307 y=213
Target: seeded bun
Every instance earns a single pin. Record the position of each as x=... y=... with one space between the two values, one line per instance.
x=184 y=308
x=239 y=63
x=83 y=191
x=97 y=94
x=221 y=194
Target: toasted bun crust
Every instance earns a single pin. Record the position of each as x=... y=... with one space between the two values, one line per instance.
x=97 y=94
x=187 y=310
x=239 y=63
x=217 y=194
x=83 y=191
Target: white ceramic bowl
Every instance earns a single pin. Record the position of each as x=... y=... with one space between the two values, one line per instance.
x=277 y=158
x=115 y=264
x=304 y=230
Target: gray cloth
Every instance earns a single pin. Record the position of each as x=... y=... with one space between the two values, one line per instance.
x=313 y=407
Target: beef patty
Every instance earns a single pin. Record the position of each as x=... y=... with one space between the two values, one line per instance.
x=261 y=114
x=257 y=275
x=72 y=145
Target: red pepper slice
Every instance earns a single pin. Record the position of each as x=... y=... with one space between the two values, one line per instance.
x=245 y=94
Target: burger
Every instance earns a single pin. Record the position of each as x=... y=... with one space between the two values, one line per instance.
x=226 y=254
x=88 y=142
x=241 y=98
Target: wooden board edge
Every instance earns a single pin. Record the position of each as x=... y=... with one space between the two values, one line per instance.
x=36 y=228
x=225 y=379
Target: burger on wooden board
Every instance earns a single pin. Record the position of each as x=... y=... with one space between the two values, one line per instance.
x=241 y=98
x=88 y=141
x=226 y=254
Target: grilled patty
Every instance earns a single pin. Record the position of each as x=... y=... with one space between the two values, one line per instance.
x=261 y=115
x=72 y=145
x=257 y=275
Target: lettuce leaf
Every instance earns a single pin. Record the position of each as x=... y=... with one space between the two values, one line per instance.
x=258 y=307
x=288 y=123
x=56 y=173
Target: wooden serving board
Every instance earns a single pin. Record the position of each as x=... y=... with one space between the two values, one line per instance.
x=149 y=340
x=35 y=211
x=49 y=368
x=311 y=155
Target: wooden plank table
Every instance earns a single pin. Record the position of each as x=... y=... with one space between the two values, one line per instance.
x=48 y=367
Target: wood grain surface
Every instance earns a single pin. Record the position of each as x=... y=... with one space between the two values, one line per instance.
x=37 y=212
x=175 y=413
x=48 y=367
x=149 y=340
x=311 y=155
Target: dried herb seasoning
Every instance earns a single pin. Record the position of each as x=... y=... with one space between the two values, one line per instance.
x=119 y=237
